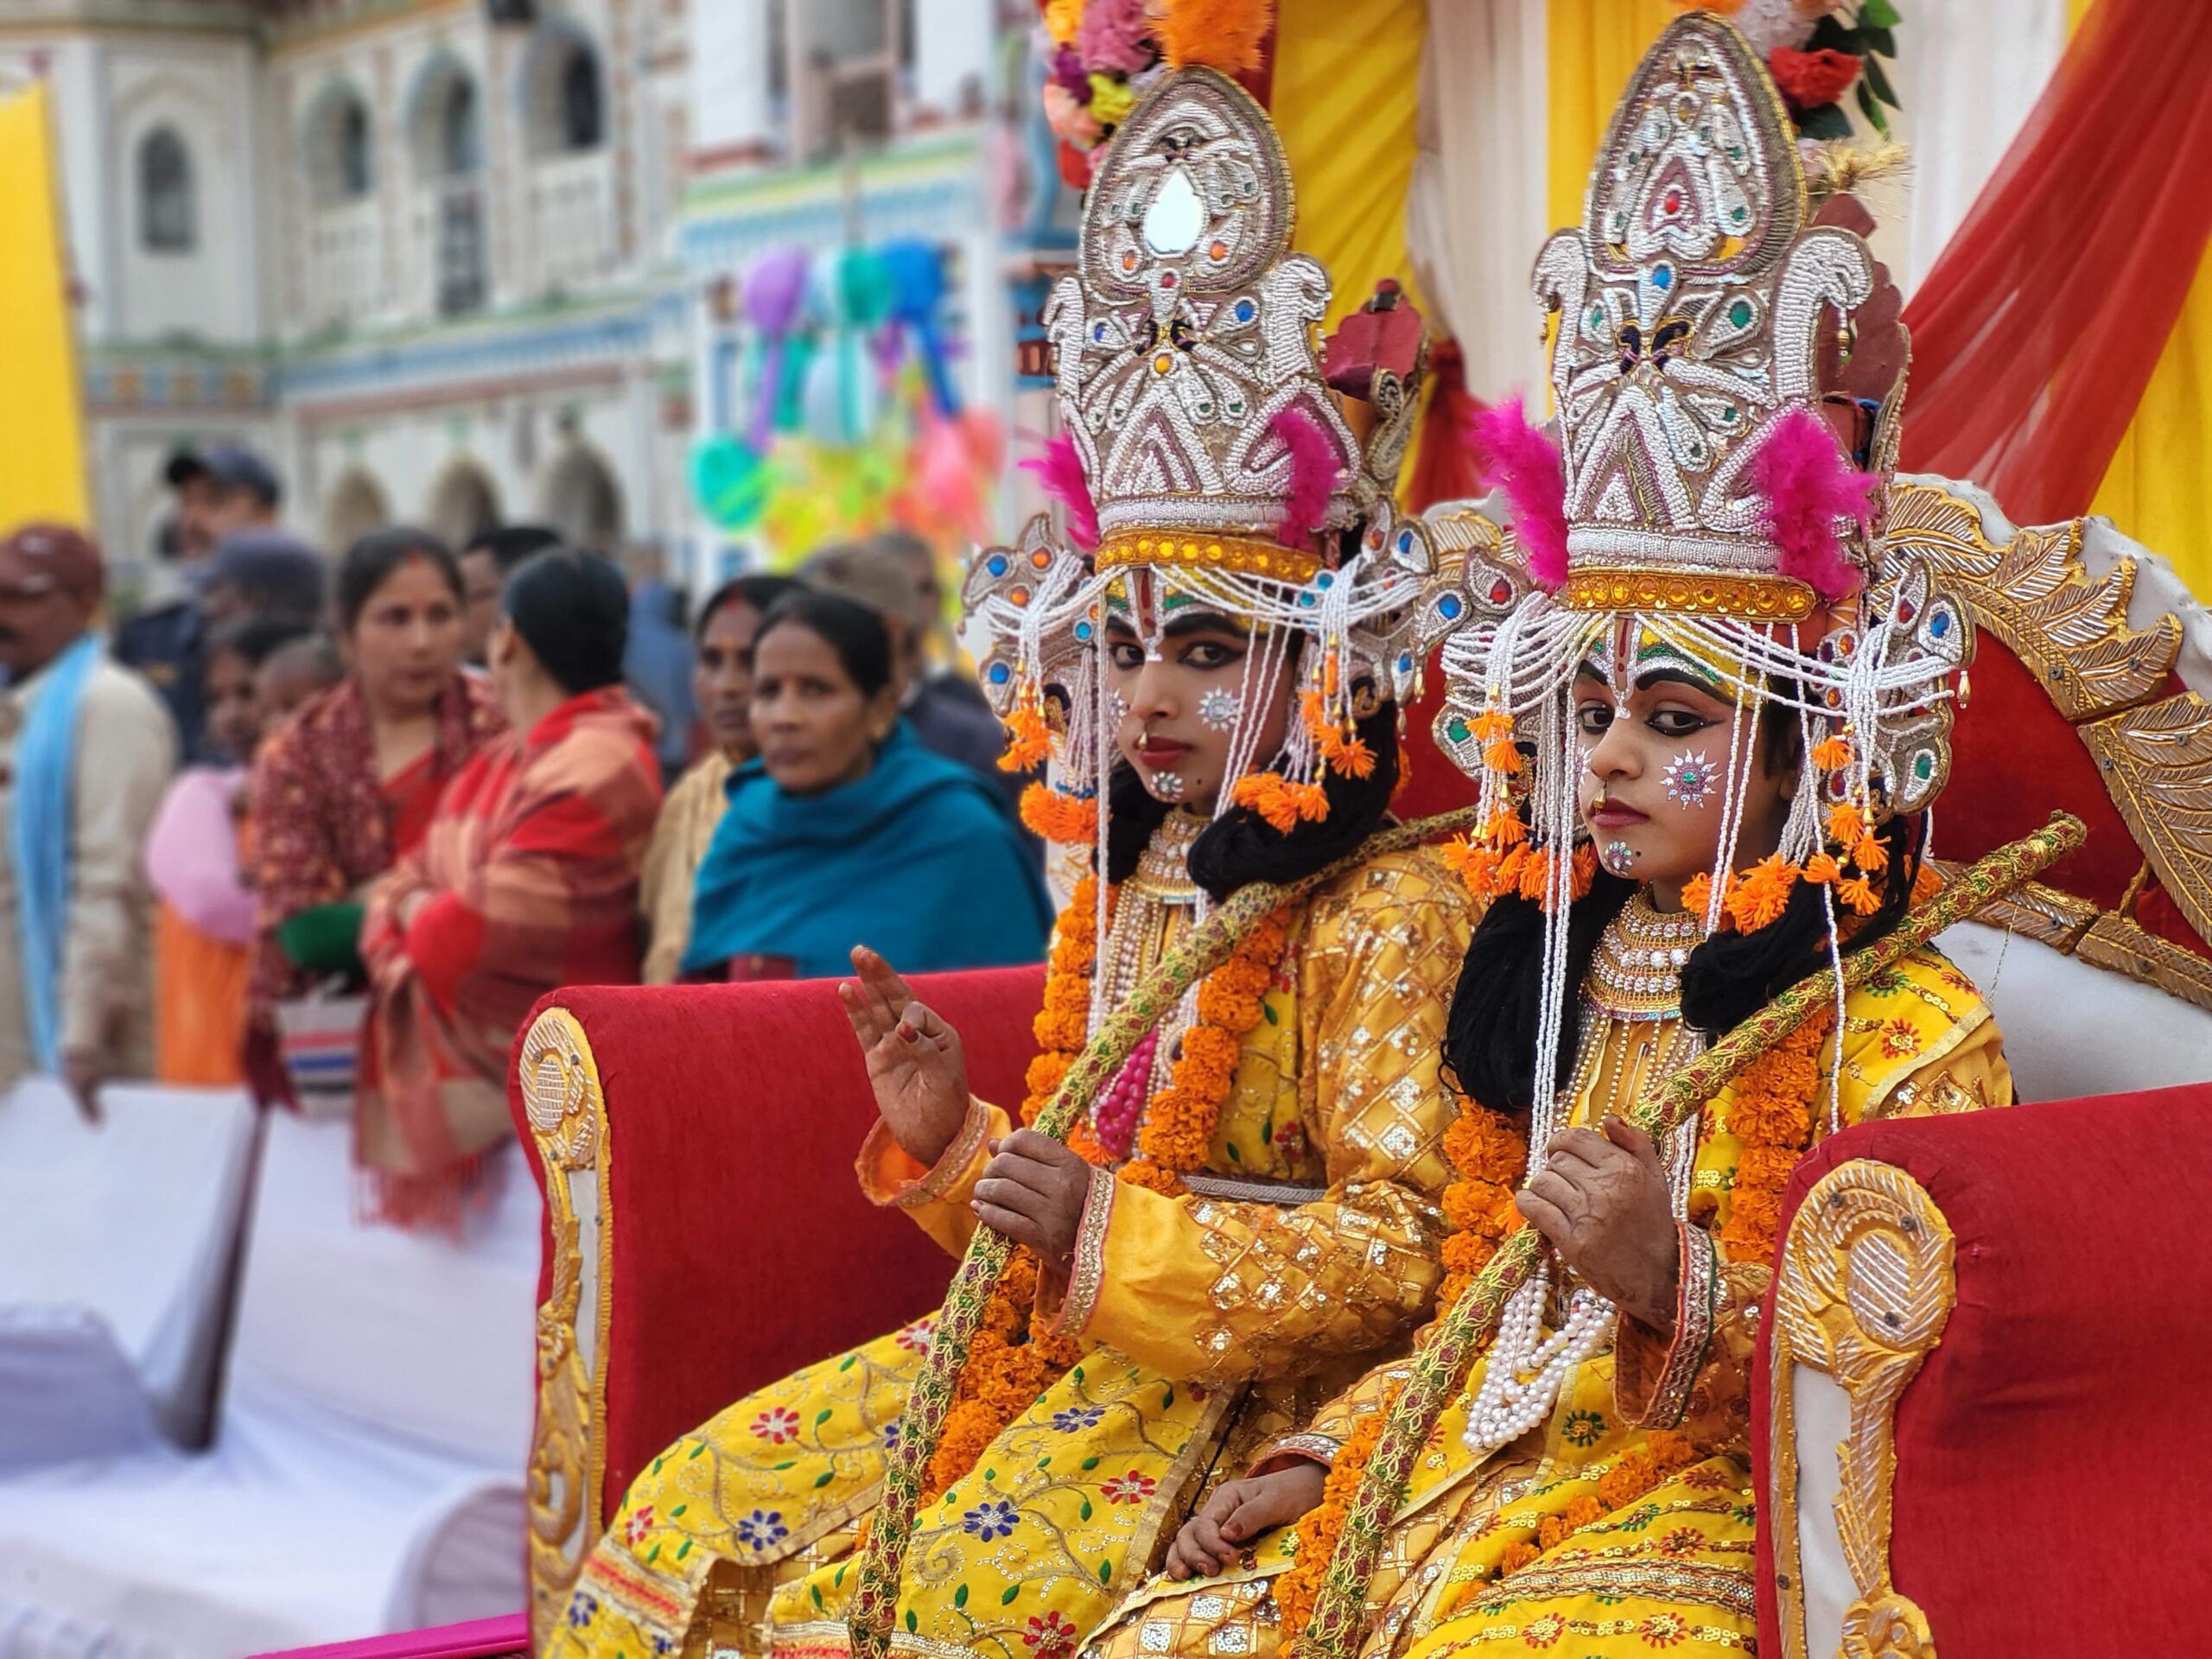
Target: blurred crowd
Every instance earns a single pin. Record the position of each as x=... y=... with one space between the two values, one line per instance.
x=328 y=827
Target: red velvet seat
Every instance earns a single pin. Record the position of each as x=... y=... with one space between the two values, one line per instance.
x=714 y=1129
x=2049 y=1451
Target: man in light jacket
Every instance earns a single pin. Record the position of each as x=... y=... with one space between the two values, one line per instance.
x=85 y=751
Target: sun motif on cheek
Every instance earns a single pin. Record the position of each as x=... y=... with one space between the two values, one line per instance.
x=1218 y=709
x=1690 y=779
x=1117 y=707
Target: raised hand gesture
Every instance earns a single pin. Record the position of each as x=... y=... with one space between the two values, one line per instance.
x=914 y=1062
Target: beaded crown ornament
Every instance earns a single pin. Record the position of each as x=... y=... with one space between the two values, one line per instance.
x=1203 y=463
x=1698 y=504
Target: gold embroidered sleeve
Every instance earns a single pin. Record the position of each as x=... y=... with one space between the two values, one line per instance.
x=936 y=1197
x=1216 y=1291
x=1697 y=1380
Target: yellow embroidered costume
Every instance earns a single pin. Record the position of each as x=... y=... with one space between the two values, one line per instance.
x=1614 y=1551
x=1587 y=1488
x=1263 y=1217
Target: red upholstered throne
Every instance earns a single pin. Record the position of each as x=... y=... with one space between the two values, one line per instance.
x=705 y=1233
x=1975 y=1416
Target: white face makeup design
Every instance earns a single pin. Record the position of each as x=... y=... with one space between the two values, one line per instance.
x=1219 y=709
x=1619 y=857
x=1167 y=785
x=1691 y=779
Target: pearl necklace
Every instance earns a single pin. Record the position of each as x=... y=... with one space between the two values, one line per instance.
x=1527 y=1371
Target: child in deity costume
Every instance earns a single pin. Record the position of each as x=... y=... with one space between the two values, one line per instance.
x=1709 y=708
x=1249 y=1214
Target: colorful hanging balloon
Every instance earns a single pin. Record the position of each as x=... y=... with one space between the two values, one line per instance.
x=731 y=481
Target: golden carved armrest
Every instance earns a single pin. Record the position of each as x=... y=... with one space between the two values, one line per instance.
x=1864 y=1289
x=566 y=1113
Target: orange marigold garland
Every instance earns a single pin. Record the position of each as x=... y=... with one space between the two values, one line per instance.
x=1320 y=1527
x=1771 y=1114
x=1012 y=1360
x=1054 y=815
x=1281 y=803
x=1028 y=737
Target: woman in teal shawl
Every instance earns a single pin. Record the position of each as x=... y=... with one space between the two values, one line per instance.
x=846 y=831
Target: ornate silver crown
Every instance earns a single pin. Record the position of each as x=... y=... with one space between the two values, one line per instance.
x=1691 y=301
x=1186 y=330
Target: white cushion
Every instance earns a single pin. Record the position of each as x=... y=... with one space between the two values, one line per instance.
x=115 y=1248
x=2072 y=1029
x=367 y=1477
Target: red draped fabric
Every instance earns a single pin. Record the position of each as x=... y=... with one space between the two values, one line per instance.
x=2036 y=332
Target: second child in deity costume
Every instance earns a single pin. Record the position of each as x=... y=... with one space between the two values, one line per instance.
x=1250 y=1215
x=1709 y=709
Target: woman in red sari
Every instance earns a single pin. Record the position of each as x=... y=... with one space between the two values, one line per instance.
x=348 y=783
x=527 y=880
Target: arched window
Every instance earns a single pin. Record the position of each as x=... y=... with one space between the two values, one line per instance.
x=355 y=174
x=582 y=121
x=444 y=121
x=168 y=216
x=459 y=145
x=565 y=92
x=341 y=147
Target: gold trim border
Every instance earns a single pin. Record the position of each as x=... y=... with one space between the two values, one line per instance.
x=2073 y=926
x=1865 y=1286
x=566 y=1111
x=2109 y=680
x=1242 y=555
x=1760 y=599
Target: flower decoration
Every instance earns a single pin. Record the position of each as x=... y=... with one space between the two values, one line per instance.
x=1820 y=52
x=994 y=1519
x=779 y=1425
x=1050 y=1636
x=1100 y=57
x=762 y=1530
x=1132 y=1488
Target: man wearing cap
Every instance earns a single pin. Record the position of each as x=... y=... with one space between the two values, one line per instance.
x=220 y=490
x=85 y=752
x=224 y=490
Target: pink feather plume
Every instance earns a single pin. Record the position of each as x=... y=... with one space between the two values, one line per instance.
x=1809 y=485
x=1314 y=470
x=1060 y=469
x=1112 y=35
x=1526 y=464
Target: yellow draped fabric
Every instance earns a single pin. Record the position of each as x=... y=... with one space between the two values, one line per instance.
x=41 y=435
x=2154 y=489
x=1593 y=48
x=1345 y=79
